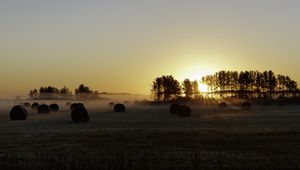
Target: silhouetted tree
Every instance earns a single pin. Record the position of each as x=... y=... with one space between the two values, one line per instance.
x=33 y=93
x=157 y=89
x=221 y=80
x=85 y=92
x=291 y=85
x=196 y=91
x=65 y=91
x=53 y=92
x=281 y=84
x=48 y=92
x=82 y=89
x=259 y=81
x=187 y=88
x=166 y=88
x=250 y=84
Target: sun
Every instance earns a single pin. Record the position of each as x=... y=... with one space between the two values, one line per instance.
x=203 y=87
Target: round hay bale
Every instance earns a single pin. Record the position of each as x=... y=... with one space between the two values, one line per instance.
x=223 y=104
x=246 y=105
x=81 y=105
x=175 y=108
x=185 y=111
x=119 y=108
x=43 y=109
x=18 y=113
x=27 y=105
x=34 y=105
x=73 y=106
x=111 y=103
x=80 y=114
x=76 y=105
x=54 y=107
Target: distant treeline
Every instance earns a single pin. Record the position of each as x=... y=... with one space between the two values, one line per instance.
x=244 y=84
x=50 y=92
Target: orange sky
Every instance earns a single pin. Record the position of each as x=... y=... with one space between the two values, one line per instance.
x=122 y=46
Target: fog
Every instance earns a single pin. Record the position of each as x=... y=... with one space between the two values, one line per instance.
x=147 y=116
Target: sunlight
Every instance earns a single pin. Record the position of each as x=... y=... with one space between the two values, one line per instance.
x=195 y=72
x=197 y=75
x=203 y=88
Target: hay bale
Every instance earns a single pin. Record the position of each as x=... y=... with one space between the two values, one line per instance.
x=81 y=105
x=43 y=109
x=18 y=113
x=223 y=104
x=175 y=108
x=34 y=105
x=80 y=114
x=73 y=106
x=246 y=105
x=119 y=108
x=76 y=105
x=27 y=105
x=54 y=107
x=185 y=111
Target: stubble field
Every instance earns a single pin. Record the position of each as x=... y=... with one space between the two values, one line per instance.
x=148 y=137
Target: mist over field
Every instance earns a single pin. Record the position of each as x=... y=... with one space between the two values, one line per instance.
x=149 y=85
x=147 y=135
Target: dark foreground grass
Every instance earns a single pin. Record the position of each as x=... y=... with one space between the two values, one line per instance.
x=142 y=149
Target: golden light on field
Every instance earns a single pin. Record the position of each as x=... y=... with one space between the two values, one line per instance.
x=203 y=87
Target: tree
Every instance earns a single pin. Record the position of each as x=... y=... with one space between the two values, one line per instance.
x=171 y=87
x=65 y=90
x=85 y=92
x=33 y=93
x=82 y=89
x=166 y=88
x=221 y=80
x=291 y=85
x=272 y=82
x=187 y=88
x=245 y=80
x=259 y=81
x=157 y=89
x=196 y=91
x=48 y=92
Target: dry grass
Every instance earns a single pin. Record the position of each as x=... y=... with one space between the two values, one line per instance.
x=148 y=137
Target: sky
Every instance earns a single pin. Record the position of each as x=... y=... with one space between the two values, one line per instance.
x=122 y=45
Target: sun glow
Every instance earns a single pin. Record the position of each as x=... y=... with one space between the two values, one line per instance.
x=197 y=75
x=203 y=87
x=195 y=72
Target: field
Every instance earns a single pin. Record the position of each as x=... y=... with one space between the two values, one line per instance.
x=148 y=137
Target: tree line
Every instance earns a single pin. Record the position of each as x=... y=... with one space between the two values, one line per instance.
x=49 y=92
x=244 y=84
x=251 y=84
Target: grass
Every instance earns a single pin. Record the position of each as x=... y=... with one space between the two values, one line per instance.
x=144 y=149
